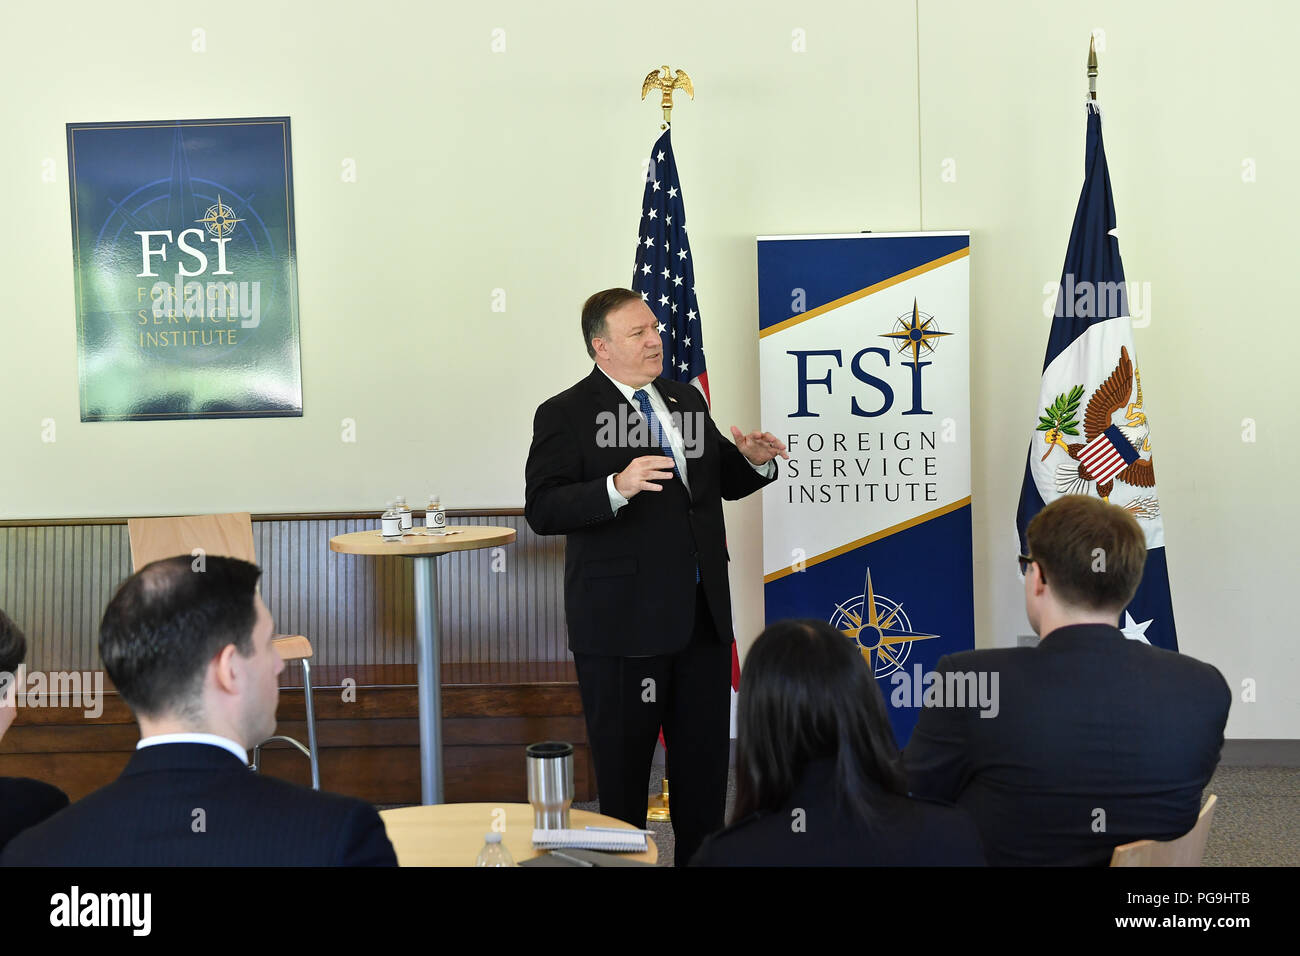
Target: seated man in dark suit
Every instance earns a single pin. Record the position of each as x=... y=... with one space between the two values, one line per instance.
x=1097 y=740
x=190 y=651
x=23 y=802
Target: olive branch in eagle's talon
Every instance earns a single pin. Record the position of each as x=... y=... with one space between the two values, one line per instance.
x=1058 y=419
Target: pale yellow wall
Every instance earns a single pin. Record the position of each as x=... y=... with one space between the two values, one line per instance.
x=519 y=170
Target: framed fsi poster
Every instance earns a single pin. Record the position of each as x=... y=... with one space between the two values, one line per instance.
x=185 y=269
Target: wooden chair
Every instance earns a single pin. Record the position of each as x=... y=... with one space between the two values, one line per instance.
x=227 y=535
x=1187 y=850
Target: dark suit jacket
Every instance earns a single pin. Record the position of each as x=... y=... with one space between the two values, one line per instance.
x=629 y=579
x=25 y=803
x=905 y=832
x=1098 y=741
x=148 y=817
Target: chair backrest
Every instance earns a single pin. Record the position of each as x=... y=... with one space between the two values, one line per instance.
x=1187 y=850
x=228 y=535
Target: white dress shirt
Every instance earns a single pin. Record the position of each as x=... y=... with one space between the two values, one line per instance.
x=211 y=739
x=671 y=433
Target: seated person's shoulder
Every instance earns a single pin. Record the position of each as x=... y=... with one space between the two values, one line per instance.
x=949 y=830
x=984 y=659
x=25 y=803
x=361 y=838
x=36 y=793
x=730 y=844
x=1194 y=675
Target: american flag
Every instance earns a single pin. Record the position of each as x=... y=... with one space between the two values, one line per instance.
x=665 y=277
x=664 y=274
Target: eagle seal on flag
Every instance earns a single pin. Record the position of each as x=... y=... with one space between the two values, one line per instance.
x=1111 y=450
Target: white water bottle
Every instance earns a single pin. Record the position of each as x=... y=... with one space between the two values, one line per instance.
x=405 y=513
x=435 y=519
x=391 y=524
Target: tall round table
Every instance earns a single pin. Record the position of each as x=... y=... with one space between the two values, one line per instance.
x=423 y=550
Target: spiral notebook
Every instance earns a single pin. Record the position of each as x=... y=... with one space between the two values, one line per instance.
x=620 y=841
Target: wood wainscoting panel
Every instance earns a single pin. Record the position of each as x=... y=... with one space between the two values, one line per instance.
x=368 y=734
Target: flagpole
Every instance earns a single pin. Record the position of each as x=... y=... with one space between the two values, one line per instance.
x=666 y=81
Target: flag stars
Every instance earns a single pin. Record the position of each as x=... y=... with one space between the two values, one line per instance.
x=659 y=156
x=645 y=269
x=674 y=307
x=645 y=296
x=687 y=342
x=667 y=274
x=683 y=366
x=656 y=185
x=663 y=328
x=677 y=280
x=691 y=315
x=654 y=213
x=672 y=192
x=681 y=253
x=649 y=242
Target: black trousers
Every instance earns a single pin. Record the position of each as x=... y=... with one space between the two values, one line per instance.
x=627 y=699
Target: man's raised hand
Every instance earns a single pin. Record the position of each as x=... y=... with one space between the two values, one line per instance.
x=642 y=474
x=758 y=447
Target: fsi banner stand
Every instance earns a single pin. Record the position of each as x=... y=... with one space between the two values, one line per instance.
x=864 y=357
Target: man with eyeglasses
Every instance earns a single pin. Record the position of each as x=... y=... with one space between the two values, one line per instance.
x=1098 y=740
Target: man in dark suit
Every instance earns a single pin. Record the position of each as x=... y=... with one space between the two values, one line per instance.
x=23 y=802
x=1098 y=740
x=631 y=468
x=188 y=646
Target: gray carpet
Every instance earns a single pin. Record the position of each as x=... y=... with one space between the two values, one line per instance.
x=1256 y=821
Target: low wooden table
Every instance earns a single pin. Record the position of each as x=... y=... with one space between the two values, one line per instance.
x=424 y=550
x=451 y=834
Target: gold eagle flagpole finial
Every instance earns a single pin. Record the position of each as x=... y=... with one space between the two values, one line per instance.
x=664 y=80
x=1092 y=67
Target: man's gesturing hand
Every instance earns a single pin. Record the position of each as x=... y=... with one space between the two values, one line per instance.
x=759 y=447
x=642 y=474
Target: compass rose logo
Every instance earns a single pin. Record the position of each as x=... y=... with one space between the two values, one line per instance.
x=879 y=627
x=220 y=220
x=917 y=332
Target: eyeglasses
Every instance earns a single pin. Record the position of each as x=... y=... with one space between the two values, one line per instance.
x=1025 y=561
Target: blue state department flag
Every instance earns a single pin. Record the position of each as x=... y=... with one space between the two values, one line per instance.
x=1092 y=436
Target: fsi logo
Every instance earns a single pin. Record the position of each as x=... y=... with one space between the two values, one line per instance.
x=220 y=223
x=194 y=300
x=915 y=334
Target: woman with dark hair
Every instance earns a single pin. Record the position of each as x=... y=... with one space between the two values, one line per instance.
x=818 y=776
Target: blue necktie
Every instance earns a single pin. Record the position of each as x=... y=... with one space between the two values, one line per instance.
x=658 y=436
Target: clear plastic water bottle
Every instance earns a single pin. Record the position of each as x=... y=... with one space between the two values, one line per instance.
x=407 y=516
x=391 y=524
x=435 y=519
x=494 y=852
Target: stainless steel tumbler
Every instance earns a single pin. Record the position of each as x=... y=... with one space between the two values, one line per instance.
x=550 y=783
